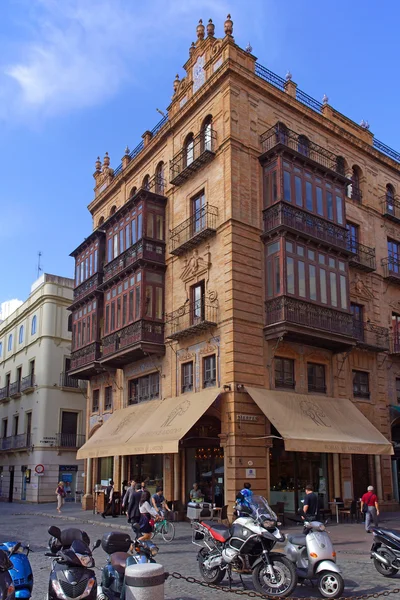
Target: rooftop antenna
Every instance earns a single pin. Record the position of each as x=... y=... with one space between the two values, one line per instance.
x=39 y=267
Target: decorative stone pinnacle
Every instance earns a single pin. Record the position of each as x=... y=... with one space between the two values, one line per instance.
x=249 y=48
x=98 y=164
x=192 y=49
x=288 y=76
x=210 y=28
x=325 y=99
x=106 y=161
x=176 y=83
x=228 y=25
x=127 y=151
x=200 y=30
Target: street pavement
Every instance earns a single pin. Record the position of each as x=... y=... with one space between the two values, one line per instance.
x=29 y=523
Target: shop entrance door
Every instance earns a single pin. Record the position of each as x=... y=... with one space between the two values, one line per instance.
x=205 y=466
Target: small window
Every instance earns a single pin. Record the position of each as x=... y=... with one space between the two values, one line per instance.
x=361 y=384
x=206 y=134
x=160 y=179
x=187 y=377
x=108 y=398
x=282 y=133
x=189 y=150
x=209 y=371
x=146 y=182
x=10 y=342
x=198 y=303
x=1 y=349
x=33 y=325
x=21 y=334
x=144 y=388
x=284 y=373
x=96 y=401
x=316 y=378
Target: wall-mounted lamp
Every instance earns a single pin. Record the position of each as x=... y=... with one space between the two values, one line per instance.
x=240 y=387
x=227 y=388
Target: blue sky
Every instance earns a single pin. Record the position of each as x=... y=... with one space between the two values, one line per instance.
x=81 y=77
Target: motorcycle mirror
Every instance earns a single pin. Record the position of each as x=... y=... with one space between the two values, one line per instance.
x=15 y=548
x=54 y=531
x=97 y=544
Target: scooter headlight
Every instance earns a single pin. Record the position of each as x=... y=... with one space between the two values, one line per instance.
x=154 y=550
x=89 y=587
x=85 y=560
x=58 y=589
x=269 y=524
x=10 y=591
x=321 y=527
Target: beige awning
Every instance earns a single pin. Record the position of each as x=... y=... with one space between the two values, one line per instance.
x=114 y=436
x=318 y=424
x=170 y=422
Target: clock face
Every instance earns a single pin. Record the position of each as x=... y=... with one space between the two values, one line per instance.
x=199 y=75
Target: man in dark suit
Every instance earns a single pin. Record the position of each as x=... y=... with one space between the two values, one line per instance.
x=133 y=512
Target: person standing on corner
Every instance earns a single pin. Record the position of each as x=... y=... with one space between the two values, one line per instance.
x=370 y=508
x=60 y=493
x=310 y=506
x=110 y=501
x=127 y=495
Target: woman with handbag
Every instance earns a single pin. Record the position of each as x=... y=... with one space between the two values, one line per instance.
x=60 y=493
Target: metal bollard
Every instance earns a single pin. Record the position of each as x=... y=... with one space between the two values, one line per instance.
x=144 y=582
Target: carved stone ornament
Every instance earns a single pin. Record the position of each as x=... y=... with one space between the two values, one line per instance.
x=196 y=267
x=198 y=73
x=208 y=349
x=359 y=289
x=185 y=356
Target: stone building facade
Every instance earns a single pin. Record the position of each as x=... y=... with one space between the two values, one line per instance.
x=42 y=410
x=250 y=242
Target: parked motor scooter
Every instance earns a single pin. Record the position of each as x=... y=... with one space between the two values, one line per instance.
x=20 y=571
x=7 y=589
x=315 y=558
x=385 y=551
x=119 y=547
x=72 y=575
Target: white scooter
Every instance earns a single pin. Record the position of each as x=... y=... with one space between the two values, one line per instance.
x=315 y=558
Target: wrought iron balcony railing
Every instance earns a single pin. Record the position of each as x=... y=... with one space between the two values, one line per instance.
x=143 y=249
x=69 y=440
x=370 y=336
x=16 y=442
x=85 y=356
x=278 y=135
x=193 y=156
x=70 y=382
x=363 y=257
x=28 y=383
x=191 y=318
x=390 y=207
x=196 y=228
x=285 y=216
x=395 y=343
x=15 y=389
x=391 y=268
x=155 y=184
x=354 y=193
x=133 y=334
x=87 y=287
x=5 y=392
x=298 y=312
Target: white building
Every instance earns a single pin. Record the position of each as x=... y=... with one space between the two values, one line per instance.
x=8 y=307
x=42 y=410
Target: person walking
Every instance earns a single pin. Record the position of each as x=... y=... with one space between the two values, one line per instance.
x=110 y=501
x=60 y=493
x=146 y=514
x=310 y=506
x=370 y=508
x=127 y=495
x=132 y=508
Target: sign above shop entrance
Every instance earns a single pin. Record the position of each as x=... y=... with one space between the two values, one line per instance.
x=249 y=418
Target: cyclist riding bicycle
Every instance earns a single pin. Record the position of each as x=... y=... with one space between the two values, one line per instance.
x=159 y=502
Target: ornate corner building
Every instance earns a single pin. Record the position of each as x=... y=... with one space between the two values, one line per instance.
x=236 y=308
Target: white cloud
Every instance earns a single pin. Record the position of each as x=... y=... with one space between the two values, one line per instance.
x=81 y=52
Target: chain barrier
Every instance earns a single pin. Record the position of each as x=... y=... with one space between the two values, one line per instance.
x=252 y=594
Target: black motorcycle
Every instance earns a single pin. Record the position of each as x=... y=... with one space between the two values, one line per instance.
x=72 y=576
x=119 y=548
x=7 y=589
x=385 y=551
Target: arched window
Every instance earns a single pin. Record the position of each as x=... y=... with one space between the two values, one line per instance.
x=21 y=334
x=390 y=193
x=9 y=347
x=146 y=182
x=101 y=221
x=355 y=188
x=34 y=325
x=340 y=165
x=206 y=134
x=189 y=150
x=303 y=145
x=133 y=191
x=1 y=348
x=70 y=322
x=113 y=210
x=282 y=133
x=160 y=178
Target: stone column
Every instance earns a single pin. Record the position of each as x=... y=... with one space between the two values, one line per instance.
x=378 y=475
x=87 y=500
x=123 y=468
x=336 y=476
x=177 y=477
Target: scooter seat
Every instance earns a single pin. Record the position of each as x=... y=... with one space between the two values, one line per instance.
x=297 y=540
x=118 y=561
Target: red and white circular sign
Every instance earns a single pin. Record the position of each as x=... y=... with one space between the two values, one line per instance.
x=39 y=469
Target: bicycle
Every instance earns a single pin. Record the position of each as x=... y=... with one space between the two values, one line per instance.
x=165 y=528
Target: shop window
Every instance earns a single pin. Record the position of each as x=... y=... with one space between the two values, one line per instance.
x=108 y=398
x=144 y=388
x=96 y=401
x=284 y=373
x=187 y=377
x=209 y=371
x=361 y=384
x=316 y=378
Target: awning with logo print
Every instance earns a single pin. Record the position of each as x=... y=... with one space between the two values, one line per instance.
x=310 y=423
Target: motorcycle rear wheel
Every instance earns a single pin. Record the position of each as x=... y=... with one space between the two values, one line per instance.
x=330 y=584
x=214 y=576
x=284 y=571
x=383 y=569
